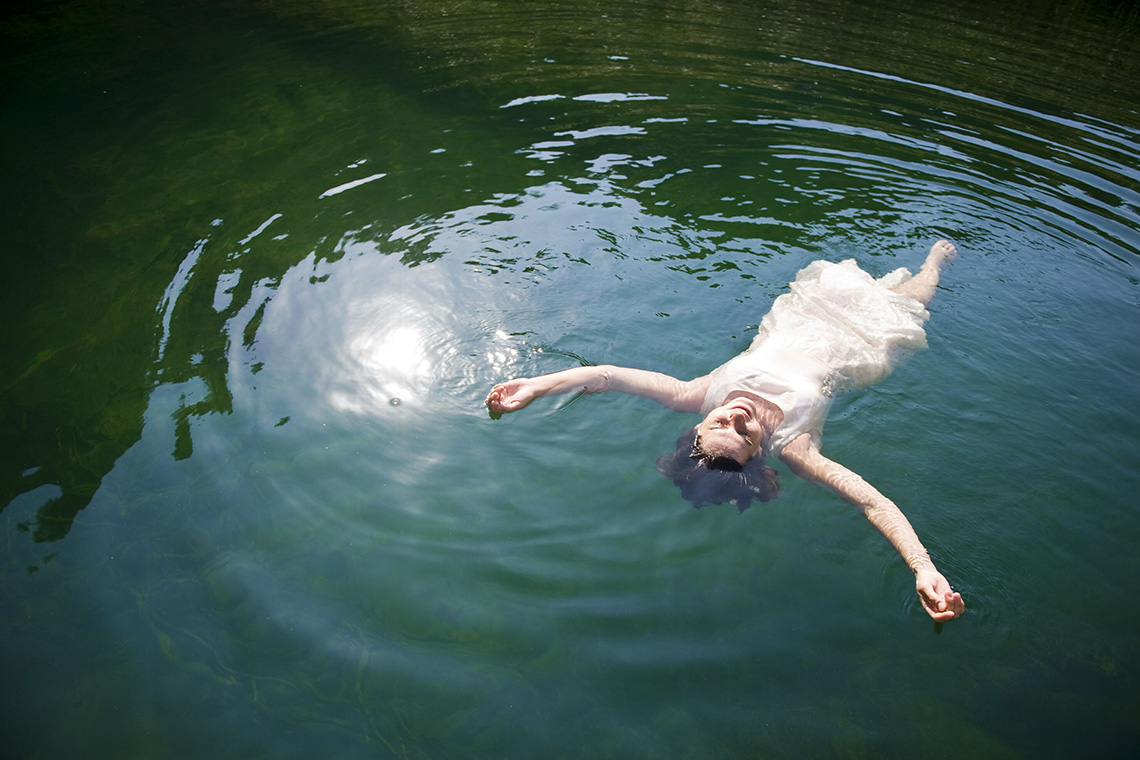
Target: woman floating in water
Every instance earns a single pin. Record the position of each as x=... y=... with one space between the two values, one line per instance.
x=838 y=328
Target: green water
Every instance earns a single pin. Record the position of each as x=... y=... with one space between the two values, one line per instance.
x=263 y=260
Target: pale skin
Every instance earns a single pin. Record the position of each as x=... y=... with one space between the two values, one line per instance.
x=739 y=427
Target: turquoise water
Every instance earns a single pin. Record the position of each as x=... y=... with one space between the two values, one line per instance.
x=265 y=259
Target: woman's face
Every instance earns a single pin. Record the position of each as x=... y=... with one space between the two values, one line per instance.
x=732 y=430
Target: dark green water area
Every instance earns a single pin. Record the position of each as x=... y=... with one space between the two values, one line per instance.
x=262 y=261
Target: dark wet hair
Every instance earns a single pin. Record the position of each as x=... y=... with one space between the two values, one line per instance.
x=705 y=478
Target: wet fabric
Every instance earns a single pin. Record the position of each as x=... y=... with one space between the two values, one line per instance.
x=837 y=328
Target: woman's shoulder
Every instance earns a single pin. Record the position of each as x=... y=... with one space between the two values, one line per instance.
x=694 y=392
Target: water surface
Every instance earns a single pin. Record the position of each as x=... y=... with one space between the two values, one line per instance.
x=265 y=259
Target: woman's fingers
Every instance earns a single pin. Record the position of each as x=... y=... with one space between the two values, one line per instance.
x=957 y=604
x=495 y=399
x=938 y=598
x=503 y=399
x=941 y=607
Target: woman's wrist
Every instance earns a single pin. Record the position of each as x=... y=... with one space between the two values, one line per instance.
x=921 y=563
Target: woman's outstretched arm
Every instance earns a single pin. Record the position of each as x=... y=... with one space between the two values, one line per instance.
x=678 y=395
x=938 y=599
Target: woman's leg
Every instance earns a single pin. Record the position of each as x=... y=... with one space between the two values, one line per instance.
x=921 y=287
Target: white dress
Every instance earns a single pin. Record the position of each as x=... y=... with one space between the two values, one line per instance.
x=838 y=328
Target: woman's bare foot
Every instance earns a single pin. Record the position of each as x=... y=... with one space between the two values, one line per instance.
x=921 y=287
x=941 y=254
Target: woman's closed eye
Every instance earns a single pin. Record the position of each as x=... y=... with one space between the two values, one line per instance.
x=722 y=426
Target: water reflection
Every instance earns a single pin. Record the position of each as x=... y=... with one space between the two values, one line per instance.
x=394 y=361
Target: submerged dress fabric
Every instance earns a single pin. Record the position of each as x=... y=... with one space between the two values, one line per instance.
x=837 y=328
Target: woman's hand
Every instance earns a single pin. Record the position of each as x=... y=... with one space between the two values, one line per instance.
x=939 y=600
x=512 y=395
